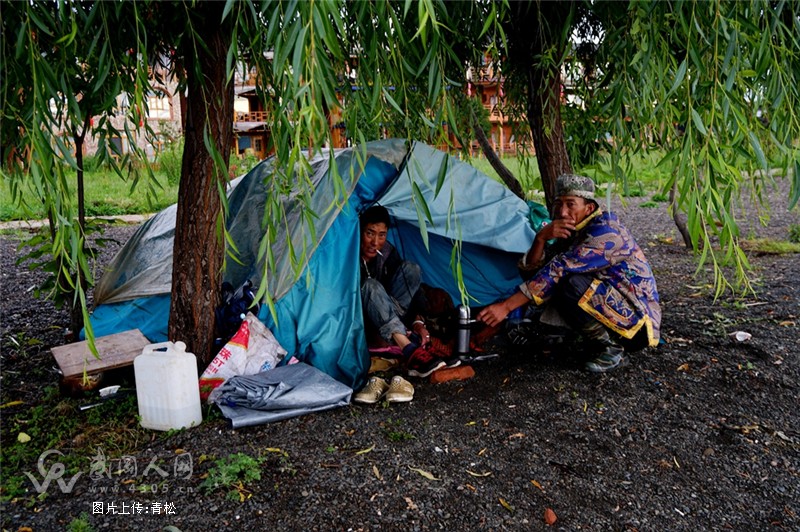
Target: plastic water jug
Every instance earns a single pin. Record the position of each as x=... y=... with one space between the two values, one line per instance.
x=167 y=388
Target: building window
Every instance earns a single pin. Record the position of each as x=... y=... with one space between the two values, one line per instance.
x=117 y=147
x=158 y=107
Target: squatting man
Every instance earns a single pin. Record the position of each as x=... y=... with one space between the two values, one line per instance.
x=591 y=275
x=392 y=298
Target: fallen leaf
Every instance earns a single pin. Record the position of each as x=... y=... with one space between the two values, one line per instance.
x=12 y=403
x=506 y=505
x=550 y=517
x=480 y=453
x=470 y=486
x=410 y=503
x=180 y=451
x=472 y=423
x=486 y=474
x=517 y=435
x=787 y=323
x=23 y=438
x=683 y=367
x=424 y=473
x=365 y=451
x=377 y=473
x=537 y=485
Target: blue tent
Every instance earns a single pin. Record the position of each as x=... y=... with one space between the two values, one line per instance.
x=318 y=314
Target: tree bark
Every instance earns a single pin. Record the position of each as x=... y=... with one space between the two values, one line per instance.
x=679 y=218
x=533 y=32
x=198 y=248
x=544 y=117
x=502 y=170
x=76 y=311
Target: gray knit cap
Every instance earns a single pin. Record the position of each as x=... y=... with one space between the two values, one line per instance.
x=575 y=185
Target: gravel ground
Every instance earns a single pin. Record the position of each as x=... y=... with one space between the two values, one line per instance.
x=700 y=433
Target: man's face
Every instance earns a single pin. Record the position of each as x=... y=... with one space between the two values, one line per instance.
x=572 y=208
x=373 y=237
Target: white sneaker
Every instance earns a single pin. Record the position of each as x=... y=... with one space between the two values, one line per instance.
x=372 y=392
x=400 y=391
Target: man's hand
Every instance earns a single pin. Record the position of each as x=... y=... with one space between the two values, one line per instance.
x=493 y=315
x=559 y=228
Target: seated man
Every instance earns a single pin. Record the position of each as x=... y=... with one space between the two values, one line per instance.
x=391 y=295
x=593 y=276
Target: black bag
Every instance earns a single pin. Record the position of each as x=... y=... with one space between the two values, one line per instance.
x=232 y=310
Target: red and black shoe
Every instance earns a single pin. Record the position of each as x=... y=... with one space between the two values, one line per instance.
x=422 y=363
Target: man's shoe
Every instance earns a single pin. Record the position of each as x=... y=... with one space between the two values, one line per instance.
x=452 y=361
x=422 y=363
x=400 y=390
x=372 y=392
x=610 y=358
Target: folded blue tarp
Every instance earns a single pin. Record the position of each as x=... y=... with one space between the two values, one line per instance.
x=280 y=393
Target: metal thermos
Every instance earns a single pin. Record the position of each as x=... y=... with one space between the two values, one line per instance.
x=464 y=325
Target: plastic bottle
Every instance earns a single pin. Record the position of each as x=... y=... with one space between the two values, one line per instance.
x=167 y=388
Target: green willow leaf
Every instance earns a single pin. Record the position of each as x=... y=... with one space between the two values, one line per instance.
x=698 y=123
x=756 y=145
x=679 y=77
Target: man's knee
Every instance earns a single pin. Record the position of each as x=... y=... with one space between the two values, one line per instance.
x=371 y=287
x=411 y=271
x=569 y=292
x=572 y=287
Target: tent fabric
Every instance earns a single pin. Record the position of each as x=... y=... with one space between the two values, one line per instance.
x=317 y=311
x=280 y=393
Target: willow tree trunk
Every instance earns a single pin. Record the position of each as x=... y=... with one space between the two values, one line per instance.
x=198 y=248
x=76 y=311
x=534 y=34
x=502 y=170
x=544 y=117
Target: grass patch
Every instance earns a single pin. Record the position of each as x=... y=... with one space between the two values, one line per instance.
x=526 y=171
x=769 y=246
x=231 y=473
x=56 y=422
x=394 y=432
x=105 y=194
x=794 y=233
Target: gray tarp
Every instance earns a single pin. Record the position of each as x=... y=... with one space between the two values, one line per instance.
x=280 y=393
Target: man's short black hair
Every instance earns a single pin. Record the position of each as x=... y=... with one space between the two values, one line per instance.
x=377 y=214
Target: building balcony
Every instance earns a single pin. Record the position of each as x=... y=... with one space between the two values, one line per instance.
x=252 y=116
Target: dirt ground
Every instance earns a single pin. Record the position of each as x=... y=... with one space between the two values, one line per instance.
x=701 y=433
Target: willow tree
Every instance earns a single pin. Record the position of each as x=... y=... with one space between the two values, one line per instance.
x=63 y=66
x=712 y=84
x=705 y=66
x=300 y=51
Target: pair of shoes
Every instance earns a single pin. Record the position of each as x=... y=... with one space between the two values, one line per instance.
x=610 y=358
x=399 y=391
x=422 y=363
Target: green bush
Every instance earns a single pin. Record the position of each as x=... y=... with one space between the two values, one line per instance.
x=794 y=233
x=91 y=163
x=169 y=162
